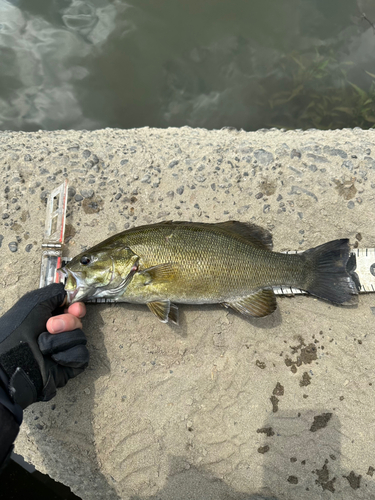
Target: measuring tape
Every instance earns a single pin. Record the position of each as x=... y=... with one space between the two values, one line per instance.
x=361 y=260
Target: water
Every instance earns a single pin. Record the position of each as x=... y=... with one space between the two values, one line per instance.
x=86 y=64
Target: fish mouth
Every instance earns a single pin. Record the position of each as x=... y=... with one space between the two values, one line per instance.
x=75 y=291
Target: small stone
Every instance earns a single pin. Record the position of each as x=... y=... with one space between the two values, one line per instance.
x=295 y=154
x=173 y=163
x=5 y=216
x=118 y=196
x=87 y=193
x=86 y=153
x=263 y=449
x=2 y=237
x=13 y=246
x=44 y=195
x=28 y=247
x=293 y=480
x=87 y=391
x=27 y=158
x=180 y=190
x=71 y=192
x=146 y=178
x=260 y=364
x=259 y=196
x=350 y=204
x=78 y=197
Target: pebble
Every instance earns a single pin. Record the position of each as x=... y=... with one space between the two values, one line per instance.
x=118 y=196
x=1 y=239
x=295 y=154
x=5 y=216
x=266 y=209
x=78 y=197
x=28 y=247
x=86 y=153
x=13 y=246
x=350 y=204
x=173 y=164
x=87 y=193
x=44 y=195
x=146 y=178
x=28 y=158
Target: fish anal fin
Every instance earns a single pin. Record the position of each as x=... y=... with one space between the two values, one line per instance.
x=258 y=304
x=173 y=314
x=161 y=273
x=257 y=235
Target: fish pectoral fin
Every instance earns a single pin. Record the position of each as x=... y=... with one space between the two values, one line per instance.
x=254 y=234
x=160 y=273
x=164 y=310
x=258 y=304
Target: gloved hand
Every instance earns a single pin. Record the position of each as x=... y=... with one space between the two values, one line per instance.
x=34 y=361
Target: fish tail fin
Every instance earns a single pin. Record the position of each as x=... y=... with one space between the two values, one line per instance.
x=327 y=274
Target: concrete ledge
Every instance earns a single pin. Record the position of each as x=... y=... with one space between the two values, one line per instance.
x=220 y=407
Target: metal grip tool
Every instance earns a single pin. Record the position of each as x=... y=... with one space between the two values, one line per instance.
x=54 y=233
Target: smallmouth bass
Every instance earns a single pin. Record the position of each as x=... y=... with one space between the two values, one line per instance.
x=231 y=263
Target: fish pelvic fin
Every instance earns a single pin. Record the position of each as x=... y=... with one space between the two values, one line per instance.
x=258 y=304
x=164 y=310
x=327 y=272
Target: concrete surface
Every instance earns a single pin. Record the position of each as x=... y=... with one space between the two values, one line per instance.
x=220 y=407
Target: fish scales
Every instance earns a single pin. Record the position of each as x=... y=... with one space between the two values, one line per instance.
x=211 y=266
x=185 y=262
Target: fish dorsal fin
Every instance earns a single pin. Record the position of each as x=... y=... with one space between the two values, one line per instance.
x=258 y=304
x=161 y=273
x=256 y=235
x=164 y=310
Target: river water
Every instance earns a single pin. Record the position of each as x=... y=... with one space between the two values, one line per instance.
x=87 y=64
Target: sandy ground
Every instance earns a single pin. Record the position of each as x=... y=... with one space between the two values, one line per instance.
x=220 y=407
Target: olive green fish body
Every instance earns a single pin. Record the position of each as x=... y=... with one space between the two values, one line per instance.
x=195 y=263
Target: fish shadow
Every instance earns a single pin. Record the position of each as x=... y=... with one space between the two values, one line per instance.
x=268 y=322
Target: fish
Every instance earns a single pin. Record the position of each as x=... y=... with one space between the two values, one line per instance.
x=229 y=263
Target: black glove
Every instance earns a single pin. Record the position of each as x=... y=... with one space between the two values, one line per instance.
x=35 y=361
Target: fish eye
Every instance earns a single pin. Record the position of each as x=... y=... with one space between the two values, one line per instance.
x=85 y=260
